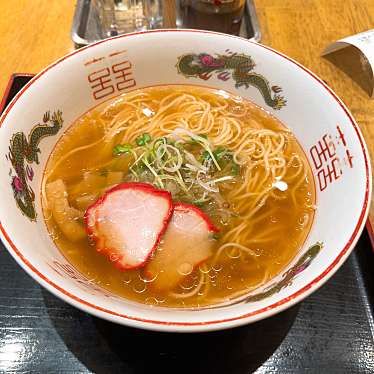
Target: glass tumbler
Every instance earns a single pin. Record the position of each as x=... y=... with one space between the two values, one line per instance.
x=123 y=16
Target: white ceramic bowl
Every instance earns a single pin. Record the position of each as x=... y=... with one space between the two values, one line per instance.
x=85 y=78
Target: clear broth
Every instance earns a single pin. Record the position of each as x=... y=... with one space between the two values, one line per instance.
x=288 y=223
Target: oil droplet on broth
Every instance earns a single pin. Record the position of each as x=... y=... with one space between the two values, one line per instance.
x=273 y=219
x=113 y=257
x=146 y=279
x=217 y=267
x=204 y=269
x=185 y=268
x=233 y=253
x=303 y=220
x=126 y=279
x=151 y=301
x=212 y=276
x=139 y=286
x=187 y=287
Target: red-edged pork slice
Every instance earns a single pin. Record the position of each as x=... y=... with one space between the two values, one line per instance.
x=128 y=221
x=187 y=242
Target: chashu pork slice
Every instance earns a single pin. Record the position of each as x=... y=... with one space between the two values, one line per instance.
x=127 y=222
x=188 y=241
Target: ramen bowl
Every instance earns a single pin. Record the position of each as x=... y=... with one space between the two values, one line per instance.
x=41 y=112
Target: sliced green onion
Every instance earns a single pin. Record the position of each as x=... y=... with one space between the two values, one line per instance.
x=135 y=174
x=235 y=169
x=197 y=138
x=179 y=159
x=122 y=148
x=136 y=164
x=158 y=143
x=222 y=179
x=215 y=236
x=208 y=150
x=205 y=156
x=175 y=179
x=219 y=153
x=157 y=178
x=143 y=139
x=190 y=168
x=181 y=182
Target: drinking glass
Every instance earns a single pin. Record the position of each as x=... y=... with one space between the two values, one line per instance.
x=123 y=16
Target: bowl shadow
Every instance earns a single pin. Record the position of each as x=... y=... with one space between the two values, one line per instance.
x=105 y=347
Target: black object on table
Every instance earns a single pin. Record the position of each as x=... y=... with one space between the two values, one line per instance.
x=331 y=332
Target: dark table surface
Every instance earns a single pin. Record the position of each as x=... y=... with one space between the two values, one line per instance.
x=331 y=332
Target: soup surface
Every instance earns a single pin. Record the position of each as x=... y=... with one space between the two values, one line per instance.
x=224 y=155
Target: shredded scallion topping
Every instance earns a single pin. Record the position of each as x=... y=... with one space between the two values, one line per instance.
x=182 y=162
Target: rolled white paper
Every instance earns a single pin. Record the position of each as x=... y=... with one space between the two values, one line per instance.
x=364 y=41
